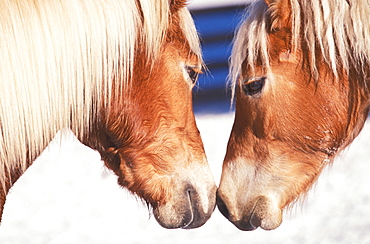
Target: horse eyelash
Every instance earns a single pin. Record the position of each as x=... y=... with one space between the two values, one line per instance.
x=250 y=80
x=193 y=73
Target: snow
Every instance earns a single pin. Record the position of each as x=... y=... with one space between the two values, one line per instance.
x=67 y=196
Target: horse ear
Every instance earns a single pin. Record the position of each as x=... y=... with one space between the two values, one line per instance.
x=280 y=12
x=175 y=5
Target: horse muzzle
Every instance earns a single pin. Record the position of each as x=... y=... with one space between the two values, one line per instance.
x=259 y=212
x=189 y=210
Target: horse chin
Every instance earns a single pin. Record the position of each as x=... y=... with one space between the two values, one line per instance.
x=258 y=213
x=188 y=211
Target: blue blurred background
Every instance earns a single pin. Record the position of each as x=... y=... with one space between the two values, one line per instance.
x=216 y=26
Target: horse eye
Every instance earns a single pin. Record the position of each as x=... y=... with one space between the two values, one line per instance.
x=254 y=86
x=193 y=74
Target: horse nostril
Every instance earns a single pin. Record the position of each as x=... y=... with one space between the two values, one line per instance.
x=222 y=206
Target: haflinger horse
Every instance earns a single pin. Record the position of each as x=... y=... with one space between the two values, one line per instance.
x=299 y=71
x=119 y=74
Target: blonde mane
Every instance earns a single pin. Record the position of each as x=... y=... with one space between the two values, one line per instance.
x=59 y=59
x=338 y=29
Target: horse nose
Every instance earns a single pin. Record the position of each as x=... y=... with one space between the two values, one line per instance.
x=246 y=223
x=191 y=208
x=198 y=215
x=222 y=206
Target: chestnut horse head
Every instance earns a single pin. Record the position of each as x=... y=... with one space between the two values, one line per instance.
x=120 y=75
x=299 y=71
x=150 y=139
